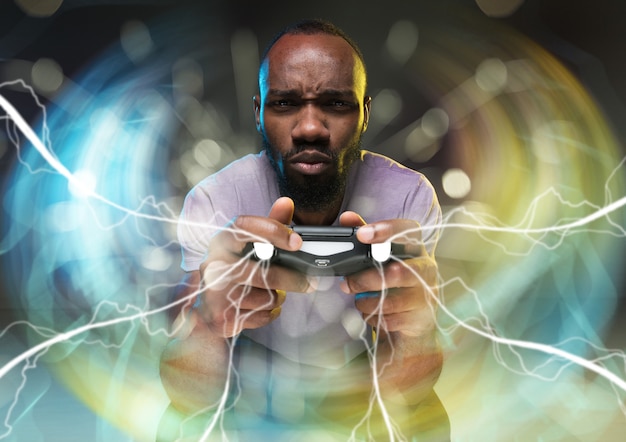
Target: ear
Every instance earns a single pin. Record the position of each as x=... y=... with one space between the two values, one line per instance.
x=257 y=112
x=367 y=103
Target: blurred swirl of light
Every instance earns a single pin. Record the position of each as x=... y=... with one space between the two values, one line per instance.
x=39 y=8
x=142 y=125
x=47 y=75
x=499 y=8
x=539 y=155
x=402 y=40
x=456 y=183
x=80 y=261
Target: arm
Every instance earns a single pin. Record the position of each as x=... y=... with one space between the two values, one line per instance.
x=233 y=294
x=409 y=358
x=194 y=363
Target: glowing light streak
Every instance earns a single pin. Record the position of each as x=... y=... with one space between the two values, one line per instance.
x=39 y=349
x=544 y=348
x=8 y=426
x=25 y=128
x=220 y=408
x=67 y=336
x=73 y=180
x=53 y=161
x=480 y=226
x=565 y=229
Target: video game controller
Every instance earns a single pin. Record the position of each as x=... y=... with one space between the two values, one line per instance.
x=327 y=251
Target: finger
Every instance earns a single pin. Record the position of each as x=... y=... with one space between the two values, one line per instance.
x=420 y=271
x=228 y=244
x=351 y=219
x=401 y=231
x=233 y=321
x=389 y=301
x=251 y=319
x=267 y=229
x=408 y=273
x=229 y=313
x=275 y=277
x=394 y=301
x=218 y=276
x=282 y=210
x=250 y=298
x=414 y=323
x=242 y=298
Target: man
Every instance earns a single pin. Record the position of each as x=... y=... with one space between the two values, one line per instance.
x=268 y=352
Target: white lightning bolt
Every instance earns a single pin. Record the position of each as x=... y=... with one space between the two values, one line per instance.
x=479 y=226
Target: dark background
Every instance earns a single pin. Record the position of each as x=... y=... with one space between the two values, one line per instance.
x=588 y=37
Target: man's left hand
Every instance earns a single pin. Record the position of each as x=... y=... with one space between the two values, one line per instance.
x=400 y=296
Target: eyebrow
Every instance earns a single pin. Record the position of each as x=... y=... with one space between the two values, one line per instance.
x=324 y=92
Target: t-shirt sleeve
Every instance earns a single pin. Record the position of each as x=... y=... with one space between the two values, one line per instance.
x=242 y=188
x=196 y=225
x=385 y=189
x=423 y=206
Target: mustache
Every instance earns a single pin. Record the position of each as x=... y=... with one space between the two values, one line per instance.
x=321 y=148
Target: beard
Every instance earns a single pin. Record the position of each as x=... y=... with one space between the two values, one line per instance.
x=314 y=193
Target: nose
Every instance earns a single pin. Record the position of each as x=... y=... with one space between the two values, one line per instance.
x=311 y=125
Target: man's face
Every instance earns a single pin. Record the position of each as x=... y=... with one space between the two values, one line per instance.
x=311 y=113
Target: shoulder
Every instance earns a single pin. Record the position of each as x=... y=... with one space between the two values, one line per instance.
x=239 y=177
x=239 y=170
x=380 y=167
x=384 y=188
x=388 y=189
x=379 y=161
x=245 y=186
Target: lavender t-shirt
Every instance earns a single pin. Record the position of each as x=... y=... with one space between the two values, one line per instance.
x=323 y=328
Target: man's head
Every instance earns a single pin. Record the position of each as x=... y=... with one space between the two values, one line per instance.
x=311 y=111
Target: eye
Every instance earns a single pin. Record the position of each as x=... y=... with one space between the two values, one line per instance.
x=340 y=105
x=282 y=103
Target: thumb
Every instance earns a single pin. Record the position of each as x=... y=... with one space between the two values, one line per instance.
x=282 y=210
x=351 y=219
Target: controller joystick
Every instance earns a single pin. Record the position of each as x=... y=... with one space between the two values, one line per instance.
x=263 y=251
x=381 y=252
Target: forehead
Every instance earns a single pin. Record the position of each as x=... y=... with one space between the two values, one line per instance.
x=297 y=60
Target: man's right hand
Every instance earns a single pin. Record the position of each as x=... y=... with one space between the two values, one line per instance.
x=235 y=293
x=238 y=293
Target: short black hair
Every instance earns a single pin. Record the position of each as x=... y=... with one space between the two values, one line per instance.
x=313 y=27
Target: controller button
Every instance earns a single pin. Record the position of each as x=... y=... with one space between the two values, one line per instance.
x=263 y=250
x=322 y=262
x=381 y=252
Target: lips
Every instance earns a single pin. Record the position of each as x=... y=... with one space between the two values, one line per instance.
x=310 y=162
